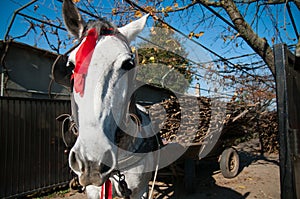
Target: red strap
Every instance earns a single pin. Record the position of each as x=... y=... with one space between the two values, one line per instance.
x=83 y=59
x=106 y=190
x=102 y=192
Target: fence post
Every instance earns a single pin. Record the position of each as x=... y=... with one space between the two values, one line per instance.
x=288 y=107
x=2 y=83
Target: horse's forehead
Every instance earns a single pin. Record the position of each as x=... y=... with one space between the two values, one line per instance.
x=108 y=56
x=110 y=46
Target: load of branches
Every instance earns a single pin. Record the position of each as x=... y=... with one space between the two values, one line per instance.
x=268 y=132
x=190 y=120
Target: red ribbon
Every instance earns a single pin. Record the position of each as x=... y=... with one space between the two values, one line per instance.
x=106 y=190
x=83 y=59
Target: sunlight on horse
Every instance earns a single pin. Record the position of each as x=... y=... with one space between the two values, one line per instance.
x=103 y=82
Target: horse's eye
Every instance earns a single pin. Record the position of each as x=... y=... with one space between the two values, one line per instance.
x=128 y=64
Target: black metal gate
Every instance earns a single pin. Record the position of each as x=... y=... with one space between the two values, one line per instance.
x=288 y=103
x=32 y=151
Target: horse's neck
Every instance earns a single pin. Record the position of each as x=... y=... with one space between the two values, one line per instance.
x=133 y=122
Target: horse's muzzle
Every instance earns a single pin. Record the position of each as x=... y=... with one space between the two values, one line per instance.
x=92 y=172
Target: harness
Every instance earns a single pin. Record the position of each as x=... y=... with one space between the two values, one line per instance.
x=70 y=129
x=65 y=75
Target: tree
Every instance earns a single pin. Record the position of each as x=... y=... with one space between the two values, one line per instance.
x=238 y=34
x=242 y=27
x=162 y=60
x=255 y=25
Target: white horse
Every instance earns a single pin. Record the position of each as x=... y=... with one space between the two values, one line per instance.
x=103 y=83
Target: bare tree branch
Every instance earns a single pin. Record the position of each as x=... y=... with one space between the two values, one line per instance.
x=259 y=45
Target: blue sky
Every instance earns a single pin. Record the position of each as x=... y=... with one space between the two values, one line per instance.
x=46 y=7
x=20 y=25
x=7 y=9
x=212 y=38
x=50 y=9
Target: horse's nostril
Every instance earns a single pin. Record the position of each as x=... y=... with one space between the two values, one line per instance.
x=104 y=168
x=90 y=171
x=107 y=163
x=75 y=162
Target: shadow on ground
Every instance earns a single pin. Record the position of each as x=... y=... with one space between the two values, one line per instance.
x=172 y=184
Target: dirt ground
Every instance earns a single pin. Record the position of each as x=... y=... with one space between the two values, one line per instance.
x=258 y=178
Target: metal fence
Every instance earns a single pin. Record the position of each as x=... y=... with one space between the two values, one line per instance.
x=32 y=151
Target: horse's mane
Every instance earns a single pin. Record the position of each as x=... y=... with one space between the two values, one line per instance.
x=101 y=24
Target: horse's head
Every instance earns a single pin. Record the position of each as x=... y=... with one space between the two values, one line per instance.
x=102 y=62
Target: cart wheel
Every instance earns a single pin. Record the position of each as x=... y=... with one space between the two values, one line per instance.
x=189 y=175
x=229 y=163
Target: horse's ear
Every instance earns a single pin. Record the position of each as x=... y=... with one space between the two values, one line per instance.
x=131 y=30
x=72 y=18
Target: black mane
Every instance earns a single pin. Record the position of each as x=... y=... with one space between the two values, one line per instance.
x=101 y=24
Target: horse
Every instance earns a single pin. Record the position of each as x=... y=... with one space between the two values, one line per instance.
x=115 y=132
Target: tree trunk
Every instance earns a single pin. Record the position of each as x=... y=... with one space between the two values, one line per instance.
x=298 y=48
x=259 y=45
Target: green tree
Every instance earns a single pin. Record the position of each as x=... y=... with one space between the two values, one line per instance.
x=162 y=62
